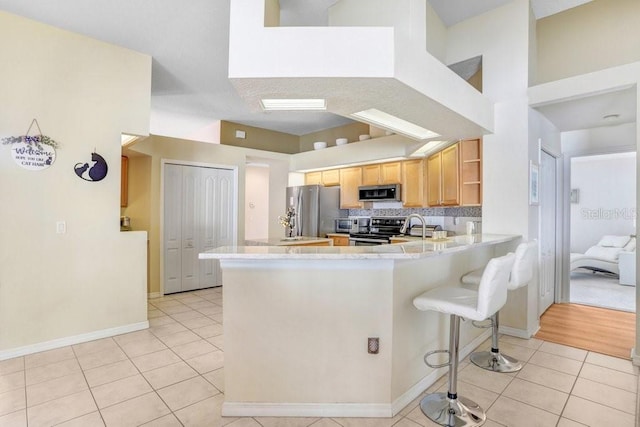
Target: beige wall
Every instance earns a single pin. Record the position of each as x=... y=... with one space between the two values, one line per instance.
x=271 y=13
x=57 y=289
x=350 y=131
x=259 y=139
x=159 y=148
x=139 y=205
x=591 y=37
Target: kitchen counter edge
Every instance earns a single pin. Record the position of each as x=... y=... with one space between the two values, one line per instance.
x=409 y=250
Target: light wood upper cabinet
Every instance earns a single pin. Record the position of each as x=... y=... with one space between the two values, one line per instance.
x=413 y=183
x=443 y=177
x=350 y=180
x=331 y=177
x=382 y=173
x=326 y=178
x=370 y=174
x=451 y=176
x=434 y=179
x=471 y=172
x=313 y=178
x=391 y=173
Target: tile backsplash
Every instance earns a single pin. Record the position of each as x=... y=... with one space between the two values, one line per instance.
x=453 y=219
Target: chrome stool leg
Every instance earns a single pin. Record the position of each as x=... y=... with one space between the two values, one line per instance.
x=494 y=360
x=449 y=409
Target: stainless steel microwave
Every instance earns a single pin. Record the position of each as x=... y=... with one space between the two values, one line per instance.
x=352 y=225
x=379 y=193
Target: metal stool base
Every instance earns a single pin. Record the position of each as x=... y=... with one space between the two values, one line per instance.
x=496 y=362
x=460 y=412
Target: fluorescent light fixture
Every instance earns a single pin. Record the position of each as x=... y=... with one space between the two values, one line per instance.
x=396 y=124
x=293 y=104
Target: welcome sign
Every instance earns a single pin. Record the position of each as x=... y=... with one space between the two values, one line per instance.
x=35 y=152
x=32 y=157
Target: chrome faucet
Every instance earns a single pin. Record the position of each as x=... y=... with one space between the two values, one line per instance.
x=407 y=223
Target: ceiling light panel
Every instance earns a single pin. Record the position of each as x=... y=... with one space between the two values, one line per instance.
x=387 y=121
x=294 y=104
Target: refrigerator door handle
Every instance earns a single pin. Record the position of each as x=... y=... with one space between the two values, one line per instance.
x=300 y=225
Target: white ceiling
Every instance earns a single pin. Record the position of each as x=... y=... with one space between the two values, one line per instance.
x=590 y=112
x=188 y=41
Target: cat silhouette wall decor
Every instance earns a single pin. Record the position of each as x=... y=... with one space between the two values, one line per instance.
x=93 y=171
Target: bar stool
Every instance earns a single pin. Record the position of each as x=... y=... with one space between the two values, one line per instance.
x=449 y=409
x=521 y=275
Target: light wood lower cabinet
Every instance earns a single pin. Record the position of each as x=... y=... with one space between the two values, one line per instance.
x=339 y=239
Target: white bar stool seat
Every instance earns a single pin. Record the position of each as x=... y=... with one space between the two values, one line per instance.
x=449 y=409
x=521 y=275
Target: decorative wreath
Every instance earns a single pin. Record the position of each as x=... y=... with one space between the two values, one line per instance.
x=36 y=140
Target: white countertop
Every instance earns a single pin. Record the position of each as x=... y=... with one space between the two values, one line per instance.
x=287 y=241
x=411 y=250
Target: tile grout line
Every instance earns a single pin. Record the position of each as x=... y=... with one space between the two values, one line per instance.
x=88 y=387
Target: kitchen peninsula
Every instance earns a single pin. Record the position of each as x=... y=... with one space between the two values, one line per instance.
x=302 y=324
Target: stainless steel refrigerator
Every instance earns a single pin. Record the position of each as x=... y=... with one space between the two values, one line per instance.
x=316 y=208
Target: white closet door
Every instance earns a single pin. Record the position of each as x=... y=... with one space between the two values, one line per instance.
x=548 y=228
x=225 y=208
x=191 y=220
x=198 y=207
x=172 y=228
x=217 y=221
x=211 y=199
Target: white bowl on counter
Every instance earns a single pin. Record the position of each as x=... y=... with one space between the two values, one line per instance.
x=342 y=141
x=364 y=137
x=319 y=145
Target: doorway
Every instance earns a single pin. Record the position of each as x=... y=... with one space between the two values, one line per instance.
x=198 y=216
x=603 y=203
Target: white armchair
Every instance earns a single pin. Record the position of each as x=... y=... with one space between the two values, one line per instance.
x=604 y=257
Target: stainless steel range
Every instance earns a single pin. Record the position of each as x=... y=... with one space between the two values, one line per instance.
x=381 y=229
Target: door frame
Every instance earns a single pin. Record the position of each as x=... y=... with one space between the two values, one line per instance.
x=234 y=203
x=565 y=283
x=559 y=223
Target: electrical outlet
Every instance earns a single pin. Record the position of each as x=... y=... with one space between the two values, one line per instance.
x=61 y=227
x=373 y=345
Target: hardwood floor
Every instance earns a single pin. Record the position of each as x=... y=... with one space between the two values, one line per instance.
x=591 y=328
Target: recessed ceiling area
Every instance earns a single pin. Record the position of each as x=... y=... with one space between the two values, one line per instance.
x=604 y=109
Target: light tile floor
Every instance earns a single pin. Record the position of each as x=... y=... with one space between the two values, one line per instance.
x=172 y=375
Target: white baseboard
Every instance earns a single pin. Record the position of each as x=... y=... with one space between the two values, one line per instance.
x=153 y=295
x=518 y=333
x=76 y=339
x=360 y=410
